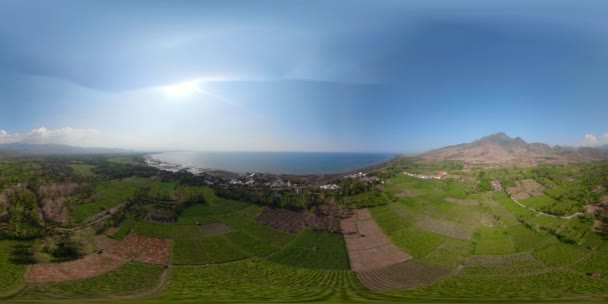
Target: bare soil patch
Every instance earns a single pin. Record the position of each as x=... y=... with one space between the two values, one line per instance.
x=89 y=266
x=103 y=241
x=215 y=229
x=129 y=247
x=409 y=274
x=368 y=247
x=159 y=218
x=156 y=252
x=525 y=189
x=142 y=248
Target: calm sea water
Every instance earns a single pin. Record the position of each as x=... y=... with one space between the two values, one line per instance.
x=274 y=162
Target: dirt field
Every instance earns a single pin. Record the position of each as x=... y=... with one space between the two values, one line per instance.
x=156 y=252
x=142 y=248
x=215 y=229
x=368 y=247
x=103 y=241
x=87 y=267
x=129 y=247
x=525 y=189
x=403 y=275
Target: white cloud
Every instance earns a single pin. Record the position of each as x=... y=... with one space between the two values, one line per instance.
x=591 y=140
x=68 y=136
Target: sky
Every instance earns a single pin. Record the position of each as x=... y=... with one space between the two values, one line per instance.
x=353 y=76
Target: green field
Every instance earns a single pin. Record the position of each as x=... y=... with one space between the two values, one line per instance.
x=317 y=250
x=83 y=169
x=11 y=271
x=131 y=279
x=108 y=194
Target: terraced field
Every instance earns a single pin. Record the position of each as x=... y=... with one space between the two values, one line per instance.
x=316 y=250
x=131 y=279
x=11 y=271
x=408 y=274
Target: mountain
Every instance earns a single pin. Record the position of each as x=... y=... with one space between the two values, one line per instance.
x=500 y=148
x=54 y=149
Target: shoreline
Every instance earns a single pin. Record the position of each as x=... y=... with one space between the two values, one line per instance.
x=174 y=167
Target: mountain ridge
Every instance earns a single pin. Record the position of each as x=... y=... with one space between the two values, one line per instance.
x=499 y=148
x=12 y=149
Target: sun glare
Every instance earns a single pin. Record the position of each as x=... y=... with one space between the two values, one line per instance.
x=182 y=89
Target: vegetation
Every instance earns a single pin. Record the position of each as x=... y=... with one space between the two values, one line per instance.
x=132 y=278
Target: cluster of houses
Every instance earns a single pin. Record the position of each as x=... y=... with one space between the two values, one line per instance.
x=437 y=175
x=496 y=185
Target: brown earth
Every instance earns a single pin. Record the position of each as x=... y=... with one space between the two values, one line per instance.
x=525 y=189
x=215 y=229
x=156 y=252
x=501 y=149
x=368 y=247
x=134 y=246
x=403 y=275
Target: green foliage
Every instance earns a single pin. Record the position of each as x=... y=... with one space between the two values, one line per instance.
x=213 y=250
x=256 y=281
x=11 y=266
x=560 y=254
x=492 y=241
x=416 y=242
x=250 y=244
x=83 y=169
x=314 y=249
x=108 y=194
x=132 y=278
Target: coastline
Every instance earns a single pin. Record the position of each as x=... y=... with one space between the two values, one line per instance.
x=196 y=170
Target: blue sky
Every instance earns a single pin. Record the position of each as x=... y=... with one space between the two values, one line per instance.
x=369 y=76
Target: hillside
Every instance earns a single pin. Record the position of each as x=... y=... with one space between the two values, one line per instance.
x=499 y=148
x=53 y=149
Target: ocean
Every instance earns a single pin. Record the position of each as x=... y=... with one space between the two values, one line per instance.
x=297 y=163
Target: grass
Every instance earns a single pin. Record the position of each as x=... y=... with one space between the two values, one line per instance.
x=156 y=189
x=11 y=273
x=83 y=169
x=493 y=241
x=313 y=249
x=416 y=242
x=560 y=285
x=213 y=250
x=560 y=254
x=255 y=280
x=108 y=194
x=132 y=278
x=596 y=263
x=250 y=244
x=450 y=254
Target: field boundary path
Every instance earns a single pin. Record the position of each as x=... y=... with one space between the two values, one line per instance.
x=99 y=217
x=546 y=214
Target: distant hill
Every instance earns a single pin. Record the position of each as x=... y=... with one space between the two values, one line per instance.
x=500 y=148
x=13 y=149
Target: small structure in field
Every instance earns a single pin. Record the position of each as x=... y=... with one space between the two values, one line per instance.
x=496 y=185
x=440 y=174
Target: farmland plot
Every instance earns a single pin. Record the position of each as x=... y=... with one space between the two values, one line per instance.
x=314 y=249
x=493 y=241
x=368 y=247
x=503 y=265
x=11 y=273
x=129 y=279
x=408 y=274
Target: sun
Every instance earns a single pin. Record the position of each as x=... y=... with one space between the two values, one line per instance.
x=182 y=89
